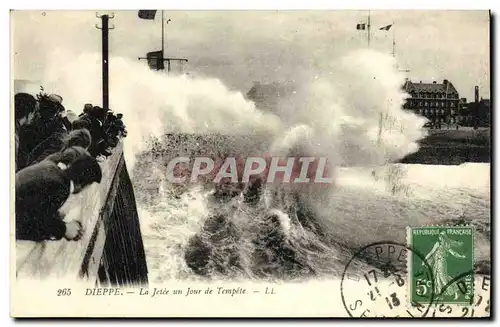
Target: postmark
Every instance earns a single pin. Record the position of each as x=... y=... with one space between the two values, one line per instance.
x=449 y=253
x=479 y=305
x=375 y=282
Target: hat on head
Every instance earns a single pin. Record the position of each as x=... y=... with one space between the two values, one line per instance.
x=50 y=105
x=55 y=98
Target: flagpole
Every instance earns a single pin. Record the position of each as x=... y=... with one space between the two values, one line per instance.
x=162 y=34
x=393 y=41
x=369 y=24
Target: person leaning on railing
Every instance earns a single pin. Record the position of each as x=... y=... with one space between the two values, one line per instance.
x=95 y=117
x=43 y=188
x=77 y=138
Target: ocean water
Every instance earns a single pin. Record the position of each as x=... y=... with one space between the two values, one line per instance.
x=362 y=209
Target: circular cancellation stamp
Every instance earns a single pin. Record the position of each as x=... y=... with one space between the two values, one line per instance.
x=375 y=282
x=478 y=306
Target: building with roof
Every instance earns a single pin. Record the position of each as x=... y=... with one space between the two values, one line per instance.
x=476 y=113
x=438 y=102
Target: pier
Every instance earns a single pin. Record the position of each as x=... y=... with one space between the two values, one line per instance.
x=111 y=251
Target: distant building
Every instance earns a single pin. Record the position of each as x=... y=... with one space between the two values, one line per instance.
x=477 y=113
x=474 y=114
x=438 y=102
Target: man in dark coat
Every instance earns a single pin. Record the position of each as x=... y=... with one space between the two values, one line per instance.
x=66 y=156
x=112 y=129
x=99 y=139
x=42 y=189
x=120 y=125
x=25 y=108
x=77 y=138
x=45 y=136
x=86 y=108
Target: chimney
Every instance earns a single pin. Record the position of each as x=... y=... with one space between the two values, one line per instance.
x=420 y=81
x=434 y=82
x=445 y=81
x=476 y=94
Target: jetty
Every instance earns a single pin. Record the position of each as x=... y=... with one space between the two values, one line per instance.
x=111 y=251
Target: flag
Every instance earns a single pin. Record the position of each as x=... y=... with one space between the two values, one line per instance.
x=147 y=14
x=361 y=26
x=386 y=28
x=155 y=60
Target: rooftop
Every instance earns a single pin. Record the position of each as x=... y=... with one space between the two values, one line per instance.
x=434 y=87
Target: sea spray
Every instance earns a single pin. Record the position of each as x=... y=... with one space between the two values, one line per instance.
x=288 y=235
x=338 y=111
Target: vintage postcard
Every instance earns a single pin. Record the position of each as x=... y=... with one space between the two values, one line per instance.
x=183 y=163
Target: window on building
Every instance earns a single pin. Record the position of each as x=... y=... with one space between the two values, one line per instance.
x=422 y=95
x=420 y=103
x=442 y=104
x=452 y=105
x=426 y=104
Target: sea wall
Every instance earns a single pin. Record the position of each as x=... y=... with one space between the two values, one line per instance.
x=109 y=216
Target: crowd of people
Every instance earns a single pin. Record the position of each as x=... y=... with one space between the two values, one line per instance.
x=57 y=153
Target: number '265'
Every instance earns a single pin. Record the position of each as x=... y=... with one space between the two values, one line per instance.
x=64 y=292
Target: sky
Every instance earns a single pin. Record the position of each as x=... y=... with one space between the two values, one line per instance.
x=240 y=47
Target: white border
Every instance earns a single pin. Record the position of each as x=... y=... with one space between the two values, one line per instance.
x=185 y=4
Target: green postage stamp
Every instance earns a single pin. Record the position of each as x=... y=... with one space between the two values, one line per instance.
x=446 y=275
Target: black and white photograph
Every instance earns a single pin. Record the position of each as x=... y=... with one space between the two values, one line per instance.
x=242 y=160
